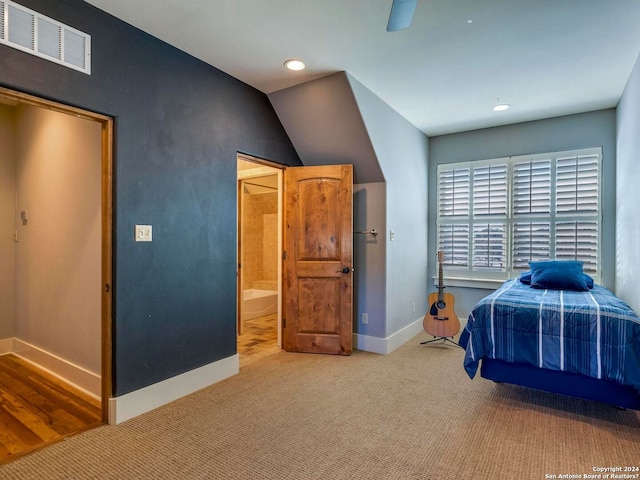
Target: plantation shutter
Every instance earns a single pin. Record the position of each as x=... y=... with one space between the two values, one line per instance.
x=531 y=208
x=454 y=192
x=490 y=200
x=453 y=211
x=490 y=245
x=532 y=187
x=576 y=240
x=490 y=190
x=577 y=186
x=530 y=243
x=495 y=216
x=453 y=240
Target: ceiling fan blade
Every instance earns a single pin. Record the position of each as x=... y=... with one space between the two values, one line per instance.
x=401 y=14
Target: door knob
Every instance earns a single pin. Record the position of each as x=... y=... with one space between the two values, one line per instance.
x=346 y=270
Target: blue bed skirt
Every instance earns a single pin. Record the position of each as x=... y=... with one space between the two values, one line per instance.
x=561 y=382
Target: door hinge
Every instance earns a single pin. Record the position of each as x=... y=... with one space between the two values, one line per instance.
x=107 y=287
x=284 y=323
x=284 y=255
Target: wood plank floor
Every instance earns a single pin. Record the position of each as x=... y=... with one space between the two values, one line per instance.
x=36 y=409
x=259 y=338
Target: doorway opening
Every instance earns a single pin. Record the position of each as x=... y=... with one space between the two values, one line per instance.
x=55 y=284
x=259 y=258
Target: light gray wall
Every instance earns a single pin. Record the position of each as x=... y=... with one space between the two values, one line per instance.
x=324 y=123
x=369 y=258
x=555 y=134
x=402 y=152
x=628 y=192
x=322 y=120
x=58 y=263
x=336 y=119
x=7 y=221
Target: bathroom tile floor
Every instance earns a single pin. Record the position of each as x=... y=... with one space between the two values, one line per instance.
x=259 y=338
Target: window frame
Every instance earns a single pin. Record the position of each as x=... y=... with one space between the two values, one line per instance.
x=480 y=278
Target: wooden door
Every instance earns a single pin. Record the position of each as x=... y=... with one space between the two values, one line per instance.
x=318 y=259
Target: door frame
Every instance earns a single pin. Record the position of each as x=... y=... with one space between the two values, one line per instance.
x=279 y=170
x=106 y=123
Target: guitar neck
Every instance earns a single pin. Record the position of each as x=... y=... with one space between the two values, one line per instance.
x=440 y=285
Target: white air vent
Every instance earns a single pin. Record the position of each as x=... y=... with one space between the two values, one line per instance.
x=2 y=21
x=42 y=36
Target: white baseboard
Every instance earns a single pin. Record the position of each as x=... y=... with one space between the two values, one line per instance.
x=6 y=346
x=74 y=375
x=140 y=401
x=389 y=344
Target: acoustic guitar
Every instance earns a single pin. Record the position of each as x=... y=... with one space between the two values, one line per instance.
x=441 y=320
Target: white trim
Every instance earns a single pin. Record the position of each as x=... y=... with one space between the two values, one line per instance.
x=140 y=401
x=488 y=284
x=367 y=343
x=387 y=345
x=76 y=376
x=6 y=346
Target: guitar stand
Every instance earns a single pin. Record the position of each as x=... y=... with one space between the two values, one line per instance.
x=444 y=340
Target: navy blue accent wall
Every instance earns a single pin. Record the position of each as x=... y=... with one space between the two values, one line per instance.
x=178 y=125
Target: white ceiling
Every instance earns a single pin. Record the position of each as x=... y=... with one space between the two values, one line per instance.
x=544 y=57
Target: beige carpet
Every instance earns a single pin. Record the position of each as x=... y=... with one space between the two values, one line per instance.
x=413 y=414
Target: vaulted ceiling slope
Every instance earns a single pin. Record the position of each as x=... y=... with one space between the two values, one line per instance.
x=324 y=124
x=444 y=73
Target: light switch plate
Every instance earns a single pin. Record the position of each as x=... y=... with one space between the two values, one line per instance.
x=144 y=233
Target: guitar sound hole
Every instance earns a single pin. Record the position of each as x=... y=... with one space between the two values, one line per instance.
x=440 y=304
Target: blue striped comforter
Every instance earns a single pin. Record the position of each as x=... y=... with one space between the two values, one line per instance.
x=590 y=333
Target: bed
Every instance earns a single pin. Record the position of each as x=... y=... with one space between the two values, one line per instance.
x=584 y=343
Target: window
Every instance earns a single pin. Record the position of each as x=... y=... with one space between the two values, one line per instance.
x=495 y=216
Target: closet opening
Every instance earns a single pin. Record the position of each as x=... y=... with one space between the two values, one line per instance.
x=56 y=280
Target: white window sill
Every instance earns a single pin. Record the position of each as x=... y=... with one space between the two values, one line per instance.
x=489 y=284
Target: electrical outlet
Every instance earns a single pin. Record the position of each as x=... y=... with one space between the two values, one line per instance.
x=365 y=318
x=413 y=307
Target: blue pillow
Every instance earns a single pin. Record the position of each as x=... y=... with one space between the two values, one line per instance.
x=558 y=275
x=525 y=277
x=588 y=280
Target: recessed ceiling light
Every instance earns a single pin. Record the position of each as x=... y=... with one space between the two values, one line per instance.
x=294 y=64
x=501 y=107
